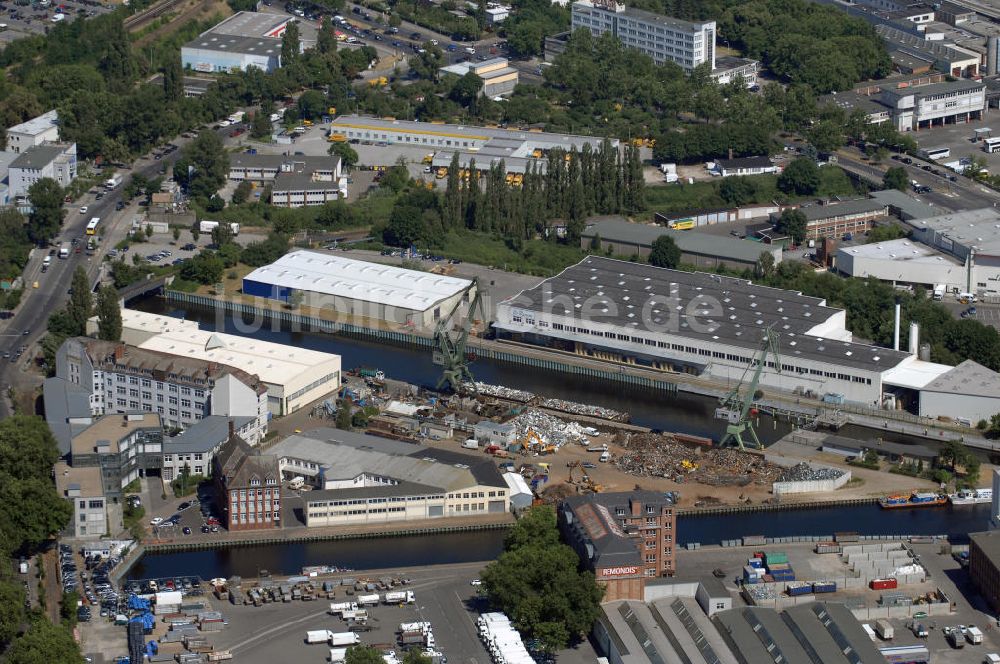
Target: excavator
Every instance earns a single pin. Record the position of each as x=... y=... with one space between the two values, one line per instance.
x=584 y=483
x=450 y=351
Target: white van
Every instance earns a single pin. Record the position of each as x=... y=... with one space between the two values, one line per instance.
x=605 y=457
x=968 y=297
x=470 y=50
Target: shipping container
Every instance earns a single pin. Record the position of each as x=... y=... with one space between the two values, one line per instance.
x=775 y=557
x=755 y=563
x=883 y=584
x=825 y=587
x=829 y=547
x=799 y=588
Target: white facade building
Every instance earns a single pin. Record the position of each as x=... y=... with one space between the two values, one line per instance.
x=923 y=106
x=244 y=40
x=37 y=131
x=51 y=160
x=351 y=288
x=904 y=263
x=292 y=377
x=83 y=488
x=662 y=38
x=300 y=190
x=182 y=390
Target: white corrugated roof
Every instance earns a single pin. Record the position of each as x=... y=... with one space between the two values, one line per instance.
x=273 y=363
x=914 y=374
x=516 y=484
x=317 y=272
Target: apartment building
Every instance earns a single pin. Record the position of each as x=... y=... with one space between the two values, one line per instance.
x=36 y=131
x=181 y=390
x=662 y=38
x=838 y=219
x=93 y=513
x=196 y=446
x=248 y=486
x=50 y=160
x=625 y=538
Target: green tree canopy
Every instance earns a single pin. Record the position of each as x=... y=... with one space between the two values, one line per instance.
x=801 y=177
x=109 y=315
x=203 y=165
x=80 y=301
x=665 y=252
x=363 y=655
x=348 y=155
x=896 y=178
x=793 y=223
x=47 y=212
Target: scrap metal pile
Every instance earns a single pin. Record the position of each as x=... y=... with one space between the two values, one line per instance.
x=498 y=391
x=803 y=472
x=585 y=409
x=656 y=455
x=550 y=430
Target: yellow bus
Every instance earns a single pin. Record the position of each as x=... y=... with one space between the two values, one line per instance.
x=92 y=225
x=682 y=224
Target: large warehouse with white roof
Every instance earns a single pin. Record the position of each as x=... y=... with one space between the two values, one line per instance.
x=712 y=326
x=293 y=380
x=348 y=287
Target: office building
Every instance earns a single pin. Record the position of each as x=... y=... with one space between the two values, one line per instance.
x=740 y=166
x=292 y=377
x=837 y=219
x=624 y=238
x=248 y=486
x=984 y=565
x=244 y=40
x=195 y=447
x=262 y=168
x=662 y=38
x=34 y=132
x=936 y=104
x=498 y=77
x=92 y=511
x=56 y=161
x=123 y=447
x=362 y=479
x=181 y=390
x=728 y=68
x=625 y=538
x=344 y=288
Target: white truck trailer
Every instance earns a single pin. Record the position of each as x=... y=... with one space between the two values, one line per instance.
x=343 y=639
x=368 y=600
x=400 y=597
x=337 y=608
x=318 y=636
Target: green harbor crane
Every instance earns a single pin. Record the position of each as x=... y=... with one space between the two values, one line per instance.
x=737 y=407
x=450 y=351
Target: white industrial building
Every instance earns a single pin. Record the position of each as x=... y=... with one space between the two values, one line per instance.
x=36 y=131
x=343 y=286
x=519 y=150
x=498 y=77
x=293 y=377
x=958 y=250
x=361 y=478
x=713 y=326
x=182 y=389
x=244 y=40
x=925 y=106
x=662 y=38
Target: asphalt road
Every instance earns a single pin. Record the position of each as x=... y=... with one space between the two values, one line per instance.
x=28 y=324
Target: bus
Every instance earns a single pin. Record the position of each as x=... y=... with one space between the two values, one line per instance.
x=92 y=225
x=991 y=144
x=682 y=224
x=935 y=154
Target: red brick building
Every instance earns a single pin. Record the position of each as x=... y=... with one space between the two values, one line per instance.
x=625 y=538
x=248 y=486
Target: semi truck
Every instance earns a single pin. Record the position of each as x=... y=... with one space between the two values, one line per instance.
x=402 y=597
x=337 y=608
x=318 y=636
x=207 y=226
x=368 y=600
x=113 y=182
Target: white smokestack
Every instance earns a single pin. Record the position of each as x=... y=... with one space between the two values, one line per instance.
x=895 y=334
x=914 y=339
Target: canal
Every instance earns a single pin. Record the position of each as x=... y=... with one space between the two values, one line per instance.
x=688 y=413
x=419 y=550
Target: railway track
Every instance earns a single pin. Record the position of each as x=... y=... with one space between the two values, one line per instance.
x=140 y=20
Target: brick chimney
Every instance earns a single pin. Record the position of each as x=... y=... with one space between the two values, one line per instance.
x=232 y=429
x=730 y=153
x=119 y=352
x=636 y=505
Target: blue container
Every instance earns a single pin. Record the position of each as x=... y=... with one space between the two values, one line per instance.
x=756 y=563
x=795 y=591
x=825 y=587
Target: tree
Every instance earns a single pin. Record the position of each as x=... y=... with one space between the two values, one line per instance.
x=363 y=655
x=665 y=252
x=261 y=126
x=896 y=178
x=765 y=265
x=109 y=315
x=466 y=90
x=290 y=44
x=344 y=415
x=43 y=643
x=203 y=166
x=204 y=268
x=414 y=656
x=242 y=192
x=195 y=232
x=149 y=231
x=47 y=212
x=312 y=104
x=348 y=155
x=80 y=301
x=736 y=190
x=326 y=40
x=173 y=79
x=537 y=582
x=176 y=233
x=793 y=223
x=801 y=177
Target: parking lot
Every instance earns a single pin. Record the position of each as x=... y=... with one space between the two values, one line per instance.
x=958 y=138
x=21 y=20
